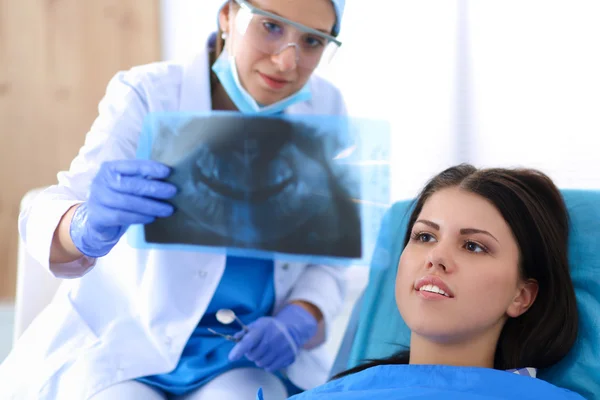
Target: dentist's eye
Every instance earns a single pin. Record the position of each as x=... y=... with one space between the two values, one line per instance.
x=474 y=247
x=313 y=42
x=423 y=237
x=272 y=28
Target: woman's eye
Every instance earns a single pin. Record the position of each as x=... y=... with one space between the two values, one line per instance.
x=423 y=237
x=313 y=42
x=474 y=247
x=272 y=27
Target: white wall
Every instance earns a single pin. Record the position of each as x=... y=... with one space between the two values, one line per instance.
x=536 y=81
x=398 y=62
x=186 y=25
x=511 y=83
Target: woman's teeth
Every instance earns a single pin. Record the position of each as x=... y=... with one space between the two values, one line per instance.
x=433 y=289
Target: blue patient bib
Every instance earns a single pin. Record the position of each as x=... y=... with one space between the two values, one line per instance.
x=246 y=288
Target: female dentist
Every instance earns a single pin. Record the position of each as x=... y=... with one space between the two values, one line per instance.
x=134 y=324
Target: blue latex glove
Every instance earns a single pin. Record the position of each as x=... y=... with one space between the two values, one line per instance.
x=273 y=342
x=123 y=193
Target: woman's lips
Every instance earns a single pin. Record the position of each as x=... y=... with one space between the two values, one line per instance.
x=273 y=82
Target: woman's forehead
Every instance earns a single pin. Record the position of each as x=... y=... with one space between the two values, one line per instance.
x=458 y=208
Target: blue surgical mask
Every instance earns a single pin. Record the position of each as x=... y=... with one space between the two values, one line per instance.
x=226 y=70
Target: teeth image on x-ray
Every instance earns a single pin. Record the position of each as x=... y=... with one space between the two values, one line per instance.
x=262 y=183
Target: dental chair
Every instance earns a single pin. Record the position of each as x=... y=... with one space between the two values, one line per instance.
x=35 y=285
x=376 y=329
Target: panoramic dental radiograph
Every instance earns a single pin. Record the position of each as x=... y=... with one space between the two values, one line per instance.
x=263 y=183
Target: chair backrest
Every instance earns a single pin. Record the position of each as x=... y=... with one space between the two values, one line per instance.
x=35 y=285
x=377 y=330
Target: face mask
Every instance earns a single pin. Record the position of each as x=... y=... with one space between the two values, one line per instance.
x=226 y=70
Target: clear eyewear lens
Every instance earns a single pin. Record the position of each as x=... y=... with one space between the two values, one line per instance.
x=273 y=35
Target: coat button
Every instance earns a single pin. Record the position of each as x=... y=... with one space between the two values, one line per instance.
x=201 y=274
x=285 y=266
x=120 y=367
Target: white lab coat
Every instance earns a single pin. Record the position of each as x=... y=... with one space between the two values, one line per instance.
x=130 y=313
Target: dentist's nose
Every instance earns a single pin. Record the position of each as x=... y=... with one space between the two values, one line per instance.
x=287 y=59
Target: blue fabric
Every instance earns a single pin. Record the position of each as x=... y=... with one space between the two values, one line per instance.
x=395 y=382
x=339 y=6
x=247 y=288
x=382 y=332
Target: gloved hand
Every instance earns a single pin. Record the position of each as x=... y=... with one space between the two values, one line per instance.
x=273 y=342
x=122 y=193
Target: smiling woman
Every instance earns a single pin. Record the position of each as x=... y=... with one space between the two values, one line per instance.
x=483 y=284
x=451 y=246
x=495 y=241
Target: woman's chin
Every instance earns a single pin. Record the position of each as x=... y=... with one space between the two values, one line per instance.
x=267 y=97
x=266 y=101
x=432 y=331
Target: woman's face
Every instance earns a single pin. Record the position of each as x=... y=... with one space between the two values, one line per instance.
x=460 y=246
x=270 y=78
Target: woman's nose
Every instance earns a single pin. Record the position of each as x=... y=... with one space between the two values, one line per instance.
x=440 y=256
x=287 y=58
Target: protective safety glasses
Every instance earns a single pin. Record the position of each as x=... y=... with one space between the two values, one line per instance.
x=272 y=34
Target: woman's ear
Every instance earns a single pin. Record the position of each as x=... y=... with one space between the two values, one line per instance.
x=224 y=17
x=524 y=298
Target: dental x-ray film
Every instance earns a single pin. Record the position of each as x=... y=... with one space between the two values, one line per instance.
x=295 y=187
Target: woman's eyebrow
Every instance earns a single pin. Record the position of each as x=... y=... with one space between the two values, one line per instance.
x=429 y=223
x=323 y=30
x=470 y=231
x=464 y=231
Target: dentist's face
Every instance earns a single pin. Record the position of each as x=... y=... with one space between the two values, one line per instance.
x=458 y=278
x=270 y=78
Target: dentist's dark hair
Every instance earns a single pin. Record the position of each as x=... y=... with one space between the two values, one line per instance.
x=534 y=209
x=219 y=41
x=218 y=46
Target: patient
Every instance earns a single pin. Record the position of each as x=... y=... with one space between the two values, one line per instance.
x=483 y=284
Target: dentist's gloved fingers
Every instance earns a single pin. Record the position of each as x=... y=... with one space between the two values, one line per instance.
x=115 y=217
x=134 y=204
x=140 y=186
x=148 y=168
x=268 y=357
x=239 y=334
x=262 y=349
x=279 y=363
x=250 y=339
